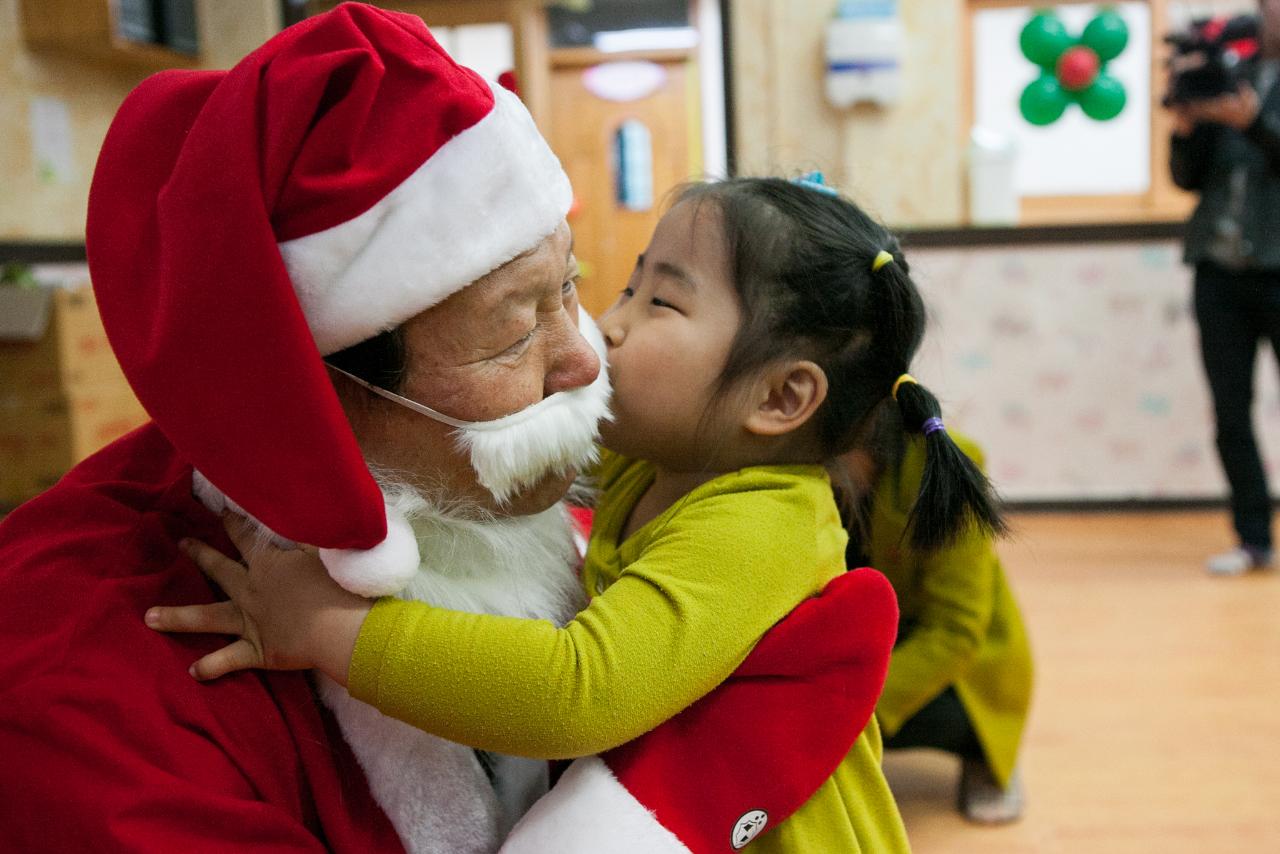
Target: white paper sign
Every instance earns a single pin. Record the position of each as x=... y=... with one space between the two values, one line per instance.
x=51 y=140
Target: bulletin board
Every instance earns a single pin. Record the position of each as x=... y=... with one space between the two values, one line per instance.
x=1079 y=171
x=1075 y=156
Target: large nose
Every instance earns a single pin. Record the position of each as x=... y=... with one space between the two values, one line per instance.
x=574 y=365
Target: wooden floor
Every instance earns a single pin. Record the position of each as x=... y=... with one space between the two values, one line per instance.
x=1156 y=720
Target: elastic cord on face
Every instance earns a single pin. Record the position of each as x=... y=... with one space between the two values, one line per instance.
x=420 y=408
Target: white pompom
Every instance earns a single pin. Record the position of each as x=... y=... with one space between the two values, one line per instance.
x=382 y=570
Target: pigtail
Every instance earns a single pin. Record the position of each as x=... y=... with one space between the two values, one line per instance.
x=954 y=493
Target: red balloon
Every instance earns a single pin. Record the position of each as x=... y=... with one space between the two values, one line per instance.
x=1078 y=68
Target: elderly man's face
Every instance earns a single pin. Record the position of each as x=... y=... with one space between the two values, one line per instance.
x=497 y=346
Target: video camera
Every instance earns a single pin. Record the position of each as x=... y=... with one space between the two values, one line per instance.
x=1206 y=58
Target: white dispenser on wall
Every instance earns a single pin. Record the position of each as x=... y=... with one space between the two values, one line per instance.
x=864 y=53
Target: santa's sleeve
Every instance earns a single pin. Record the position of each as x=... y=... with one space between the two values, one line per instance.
x=106 y=743
x=745 y=757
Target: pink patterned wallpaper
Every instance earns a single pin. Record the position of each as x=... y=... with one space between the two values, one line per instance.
x=1077 y=369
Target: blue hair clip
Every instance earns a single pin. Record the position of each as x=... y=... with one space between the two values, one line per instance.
x=815 y=181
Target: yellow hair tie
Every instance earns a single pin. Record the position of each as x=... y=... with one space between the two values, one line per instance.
x=885 y=257
x=905 y=378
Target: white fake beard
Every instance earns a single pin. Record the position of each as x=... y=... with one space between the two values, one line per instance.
x=518 y=566
x=555 y=436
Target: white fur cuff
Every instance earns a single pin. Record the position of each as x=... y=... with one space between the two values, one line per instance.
x=589 y=812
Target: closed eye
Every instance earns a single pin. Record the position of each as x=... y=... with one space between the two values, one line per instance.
x=518 y=347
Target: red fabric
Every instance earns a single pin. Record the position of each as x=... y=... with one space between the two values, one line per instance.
x=769 y=736
x=107 y=743
x=583 y=518
x=307 y=132
x=508 y=80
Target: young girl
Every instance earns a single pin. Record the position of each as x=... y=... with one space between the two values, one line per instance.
x=764 y=325
x=960 y=676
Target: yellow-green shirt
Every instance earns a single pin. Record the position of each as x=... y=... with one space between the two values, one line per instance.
x=680 y=604
x=966 y=630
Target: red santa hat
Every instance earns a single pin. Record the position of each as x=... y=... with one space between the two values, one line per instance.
x=339 y=180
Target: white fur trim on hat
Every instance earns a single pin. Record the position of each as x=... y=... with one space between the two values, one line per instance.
x=382 y=570
x=587 y=812
x=487 y=195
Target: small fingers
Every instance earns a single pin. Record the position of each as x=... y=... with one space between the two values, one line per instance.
x=242 y=532
x=220 y=618
x=222 y=569
x=240 y=655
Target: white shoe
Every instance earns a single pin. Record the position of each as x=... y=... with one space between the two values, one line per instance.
x=983 y=801
x=1238 y=561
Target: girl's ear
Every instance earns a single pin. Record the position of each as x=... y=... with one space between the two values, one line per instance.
x=787 y=397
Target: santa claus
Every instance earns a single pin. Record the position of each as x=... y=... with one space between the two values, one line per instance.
x=291 y=257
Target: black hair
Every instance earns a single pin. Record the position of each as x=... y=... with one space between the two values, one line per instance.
x=380 y=360
x=802 y=260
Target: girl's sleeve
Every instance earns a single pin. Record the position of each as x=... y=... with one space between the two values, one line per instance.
x=957 y=589
x=676 y=623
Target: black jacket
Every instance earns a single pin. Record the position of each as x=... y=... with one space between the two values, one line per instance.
x=1205 y=161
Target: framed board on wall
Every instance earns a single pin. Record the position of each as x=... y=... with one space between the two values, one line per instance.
x=1078 y=170
x=1074 y=156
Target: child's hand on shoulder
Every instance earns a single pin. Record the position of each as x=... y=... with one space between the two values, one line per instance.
x=286 y=610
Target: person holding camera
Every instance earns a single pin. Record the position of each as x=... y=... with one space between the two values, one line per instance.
x=1226 y=148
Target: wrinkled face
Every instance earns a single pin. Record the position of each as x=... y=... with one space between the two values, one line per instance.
x=669 y=336
x=499 y=345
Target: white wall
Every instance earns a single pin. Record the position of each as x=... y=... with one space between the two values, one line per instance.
x=1077 y=368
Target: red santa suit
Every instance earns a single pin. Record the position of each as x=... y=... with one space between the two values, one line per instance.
x=107 y=743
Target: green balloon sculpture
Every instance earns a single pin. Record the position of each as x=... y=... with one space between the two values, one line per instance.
x=1073 y=70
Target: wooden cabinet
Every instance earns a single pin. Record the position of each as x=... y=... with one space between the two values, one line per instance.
x=90 y=29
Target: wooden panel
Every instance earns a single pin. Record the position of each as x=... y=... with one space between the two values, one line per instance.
x=1063 y=210
x=902 y=162
x=608 y=238
x=532 y=43
x=563 y=57
x=440 y=13
x=782 y=121
x=85 y=29
x=230 y=31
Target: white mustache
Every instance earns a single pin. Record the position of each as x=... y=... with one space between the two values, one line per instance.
x=556 y=435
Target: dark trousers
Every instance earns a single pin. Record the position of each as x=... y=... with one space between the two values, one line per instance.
x=942 y=724
x=1235 y=310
